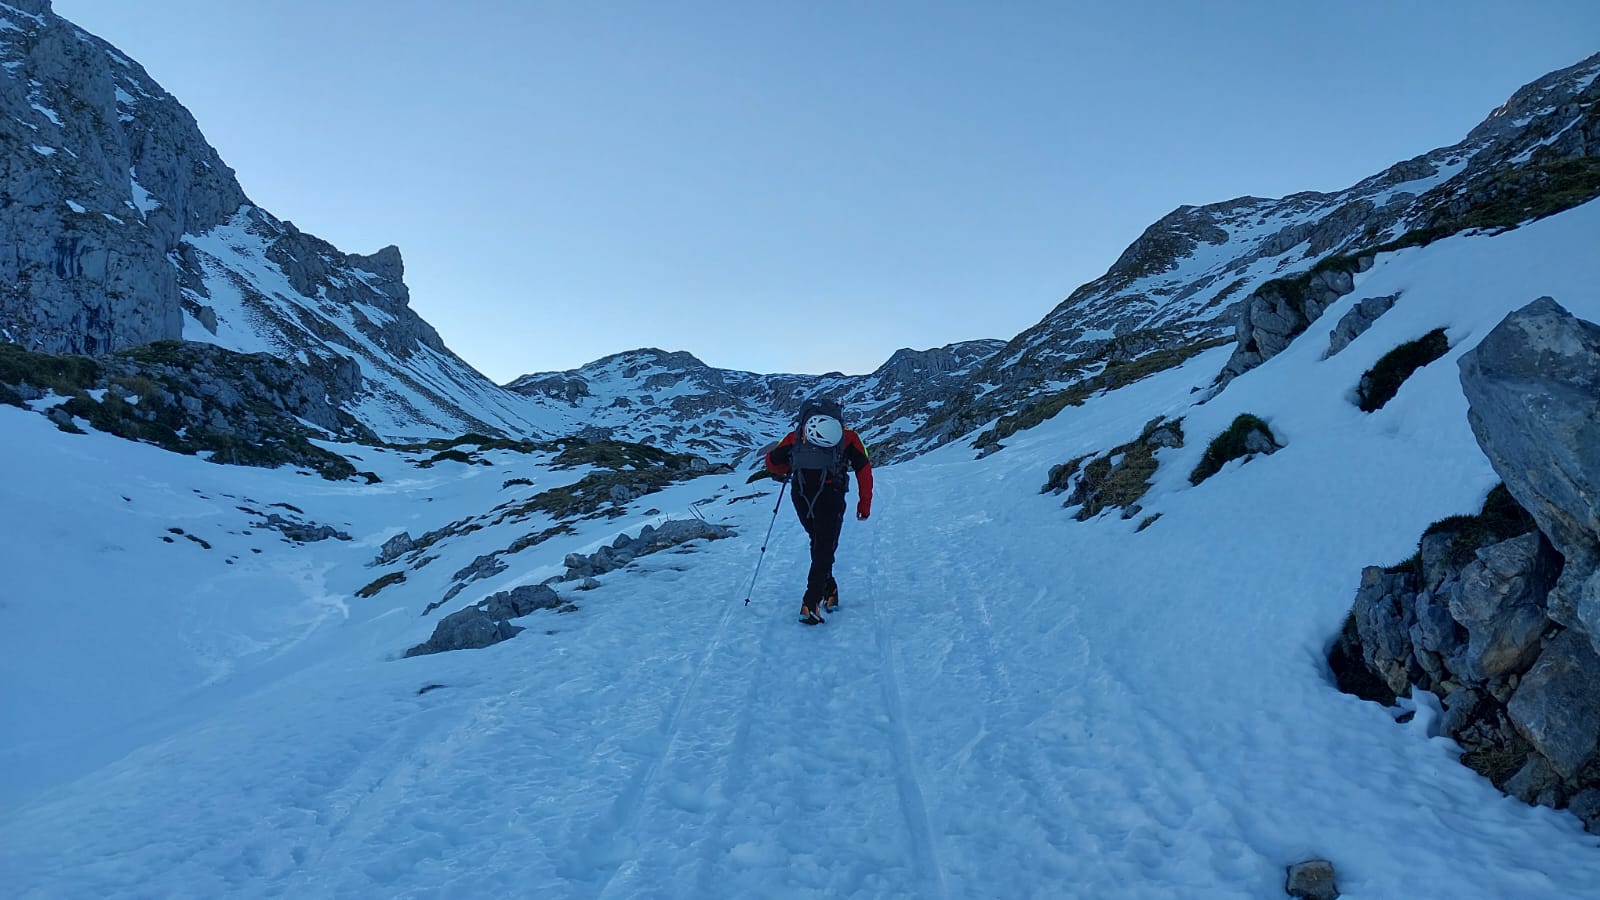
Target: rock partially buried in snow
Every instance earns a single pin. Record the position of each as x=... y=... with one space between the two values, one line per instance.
x=1312 y=880
x=488 y=621
x=1356 y=322
x=624 y=550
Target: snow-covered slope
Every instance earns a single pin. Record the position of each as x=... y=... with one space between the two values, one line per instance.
x=1182 y=283
x=1011 y=703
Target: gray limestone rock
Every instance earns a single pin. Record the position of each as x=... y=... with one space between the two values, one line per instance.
x=468 y=629
x=650 y=539
x=520 y=601
x=486 y=622
x=1586 y=806
x=394 y=548
x=302 y=532
x=1533 y=385
x=105 y=173
x=1536 y=779
x=1355 y=323
x=1312 y=880
x=1499 y=599
x=483 y=567
x=1557 y=706
x=1383 y=618
x=1281 y=310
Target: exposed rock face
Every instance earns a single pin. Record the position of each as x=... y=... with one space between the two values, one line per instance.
x=1557 y=706
x=122 y=226
x=1490 y=616
x=1281 y=311
x=103 y=175
x=488 y=621
x=394 y=548
x=1534 y=388
x=1499 y=600
x=239 y=408
x=625 y=550
x=1355 y=323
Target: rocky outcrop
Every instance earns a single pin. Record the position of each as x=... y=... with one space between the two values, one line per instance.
x=487 y=622
x=650 y=539
x=1355 y=323
x=1497 y=613
x=238 y=408
x=1118 y=478
x=123 y=227
x=1534 y=389
x=103 y=174
x=1280 y=311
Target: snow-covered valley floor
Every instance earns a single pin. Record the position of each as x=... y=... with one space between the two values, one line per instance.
x=1009 y=704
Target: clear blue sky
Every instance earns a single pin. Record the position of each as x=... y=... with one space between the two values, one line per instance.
x=801 y=187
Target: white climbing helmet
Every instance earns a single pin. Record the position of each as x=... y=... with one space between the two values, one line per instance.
x=824 y=431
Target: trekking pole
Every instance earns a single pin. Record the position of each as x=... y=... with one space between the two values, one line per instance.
x=764 y=541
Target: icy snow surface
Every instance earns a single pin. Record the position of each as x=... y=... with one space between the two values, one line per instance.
x=1009 y=704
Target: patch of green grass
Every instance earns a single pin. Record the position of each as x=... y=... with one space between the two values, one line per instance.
x=1121 y=485
x=1524 y=194
x=1501 y=519
x=612 y=455
x=1536 y=191
x=1495 y=763
x=372 y=589
x=159 y=353
x=65 y=375
x=1228 y=446
x=1381 y=382
x=1104 y=484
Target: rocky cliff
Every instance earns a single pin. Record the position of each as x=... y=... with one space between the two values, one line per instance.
x=121 y=226
x=1498 y=614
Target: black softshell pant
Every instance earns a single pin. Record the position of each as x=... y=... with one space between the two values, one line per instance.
x=822 y=520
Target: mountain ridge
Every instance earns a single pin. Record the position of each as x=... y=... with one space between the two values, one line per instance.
x=137 y=231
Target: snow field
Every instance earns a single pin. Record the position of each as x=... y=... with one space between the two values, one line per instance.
x=1009 y=704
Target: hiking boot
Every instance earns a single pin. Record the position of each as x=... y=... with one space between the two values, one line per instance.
x=830 y=600
x=809 y=614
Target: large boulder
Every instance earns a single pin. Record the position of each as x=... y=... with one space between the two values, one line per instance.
x=1499 y=599
x=1557 y=707
x=1533 y=385
x=487 y=622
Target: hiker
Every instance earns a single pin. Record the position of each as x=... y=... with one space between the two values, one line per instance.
x=817 y=458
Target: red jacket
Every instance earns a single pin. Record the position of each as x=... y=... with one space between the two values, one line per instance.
x=855 y=452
